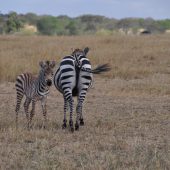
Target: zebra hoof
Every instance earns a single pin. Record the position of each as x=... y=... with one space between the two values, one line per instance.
x=64 y=125
x=81 y=122
x=72 y=129
x=76 y=126
x=71 y=126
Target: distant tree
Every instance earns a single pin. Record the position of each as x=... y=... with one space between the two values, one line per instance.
x=152 y=25
x=1 y=24
x=128 y=23
x=31 y=18
x=110 y=24
x=123 y=24
x=92 y=18
x=13 y=24
x=92 y=22
x=64 y=26
x=141 y=22
x=47 y=25
x=72 y=28
x=90 y=27
x=86 y=24
x=164 y=24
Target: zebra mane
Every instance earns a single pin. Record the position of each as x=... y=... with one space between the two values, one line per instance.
x=81 y=51
x=77 y=50
x=48 y=62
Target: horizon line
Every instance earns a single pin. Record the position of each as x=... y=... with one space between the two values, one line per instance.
x=128 y=17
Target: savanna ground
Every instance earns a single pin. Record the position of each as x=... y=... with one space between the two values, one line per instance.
x=127 y=111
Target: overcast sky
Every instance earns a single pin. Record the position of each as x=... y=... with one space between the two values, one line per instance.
x=157 y=9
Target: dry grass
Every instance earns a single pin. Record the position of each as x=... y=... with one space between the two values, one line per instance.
x=127 y=120
x=131 y=57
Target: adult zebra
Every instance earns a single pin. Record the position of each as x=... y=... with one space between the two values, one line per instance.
x=73 y=78
x=34 y=88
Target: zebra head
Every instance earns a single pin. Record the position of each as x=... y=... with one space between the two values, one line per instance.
x=78 y=54
x=47 y=69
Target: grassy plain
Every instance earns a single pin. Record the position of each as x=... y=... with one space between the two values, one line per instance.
x=127 y=111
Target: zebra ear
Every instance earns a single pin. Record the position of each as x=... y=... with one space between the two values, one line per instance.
x=41 y=63
x=86 y=50
x=72 y=49
x=52 y=64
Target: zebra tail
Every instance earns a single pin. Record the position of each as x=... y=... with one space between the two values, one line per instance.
x=99 y=69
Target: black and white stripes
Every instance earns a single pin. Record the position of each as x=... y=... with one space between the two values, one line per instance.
x=34 y=88
x=73 y=78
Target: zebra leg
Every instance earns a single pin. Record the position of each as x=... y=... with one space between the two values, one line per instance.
x=19 y=99
x=71 y=114
x=79 y=111
x=79 y=108
x=81 y=121
x=32 y=112
x=26 y=107
x=65 y=110
x=43 y=104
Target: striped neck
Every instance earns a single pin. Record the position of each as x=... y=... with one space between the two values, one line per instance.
x=42 y=89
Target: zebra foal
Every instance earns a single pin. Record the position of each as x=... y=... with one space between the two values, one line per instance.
x=34 y=88
x=73 y=78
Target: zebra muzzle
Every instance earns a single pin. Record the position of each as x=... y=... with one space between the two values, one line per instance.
x=49 y=82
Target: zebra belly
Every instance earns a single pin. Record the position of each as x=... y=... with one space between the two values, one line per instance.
x=75 y=91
